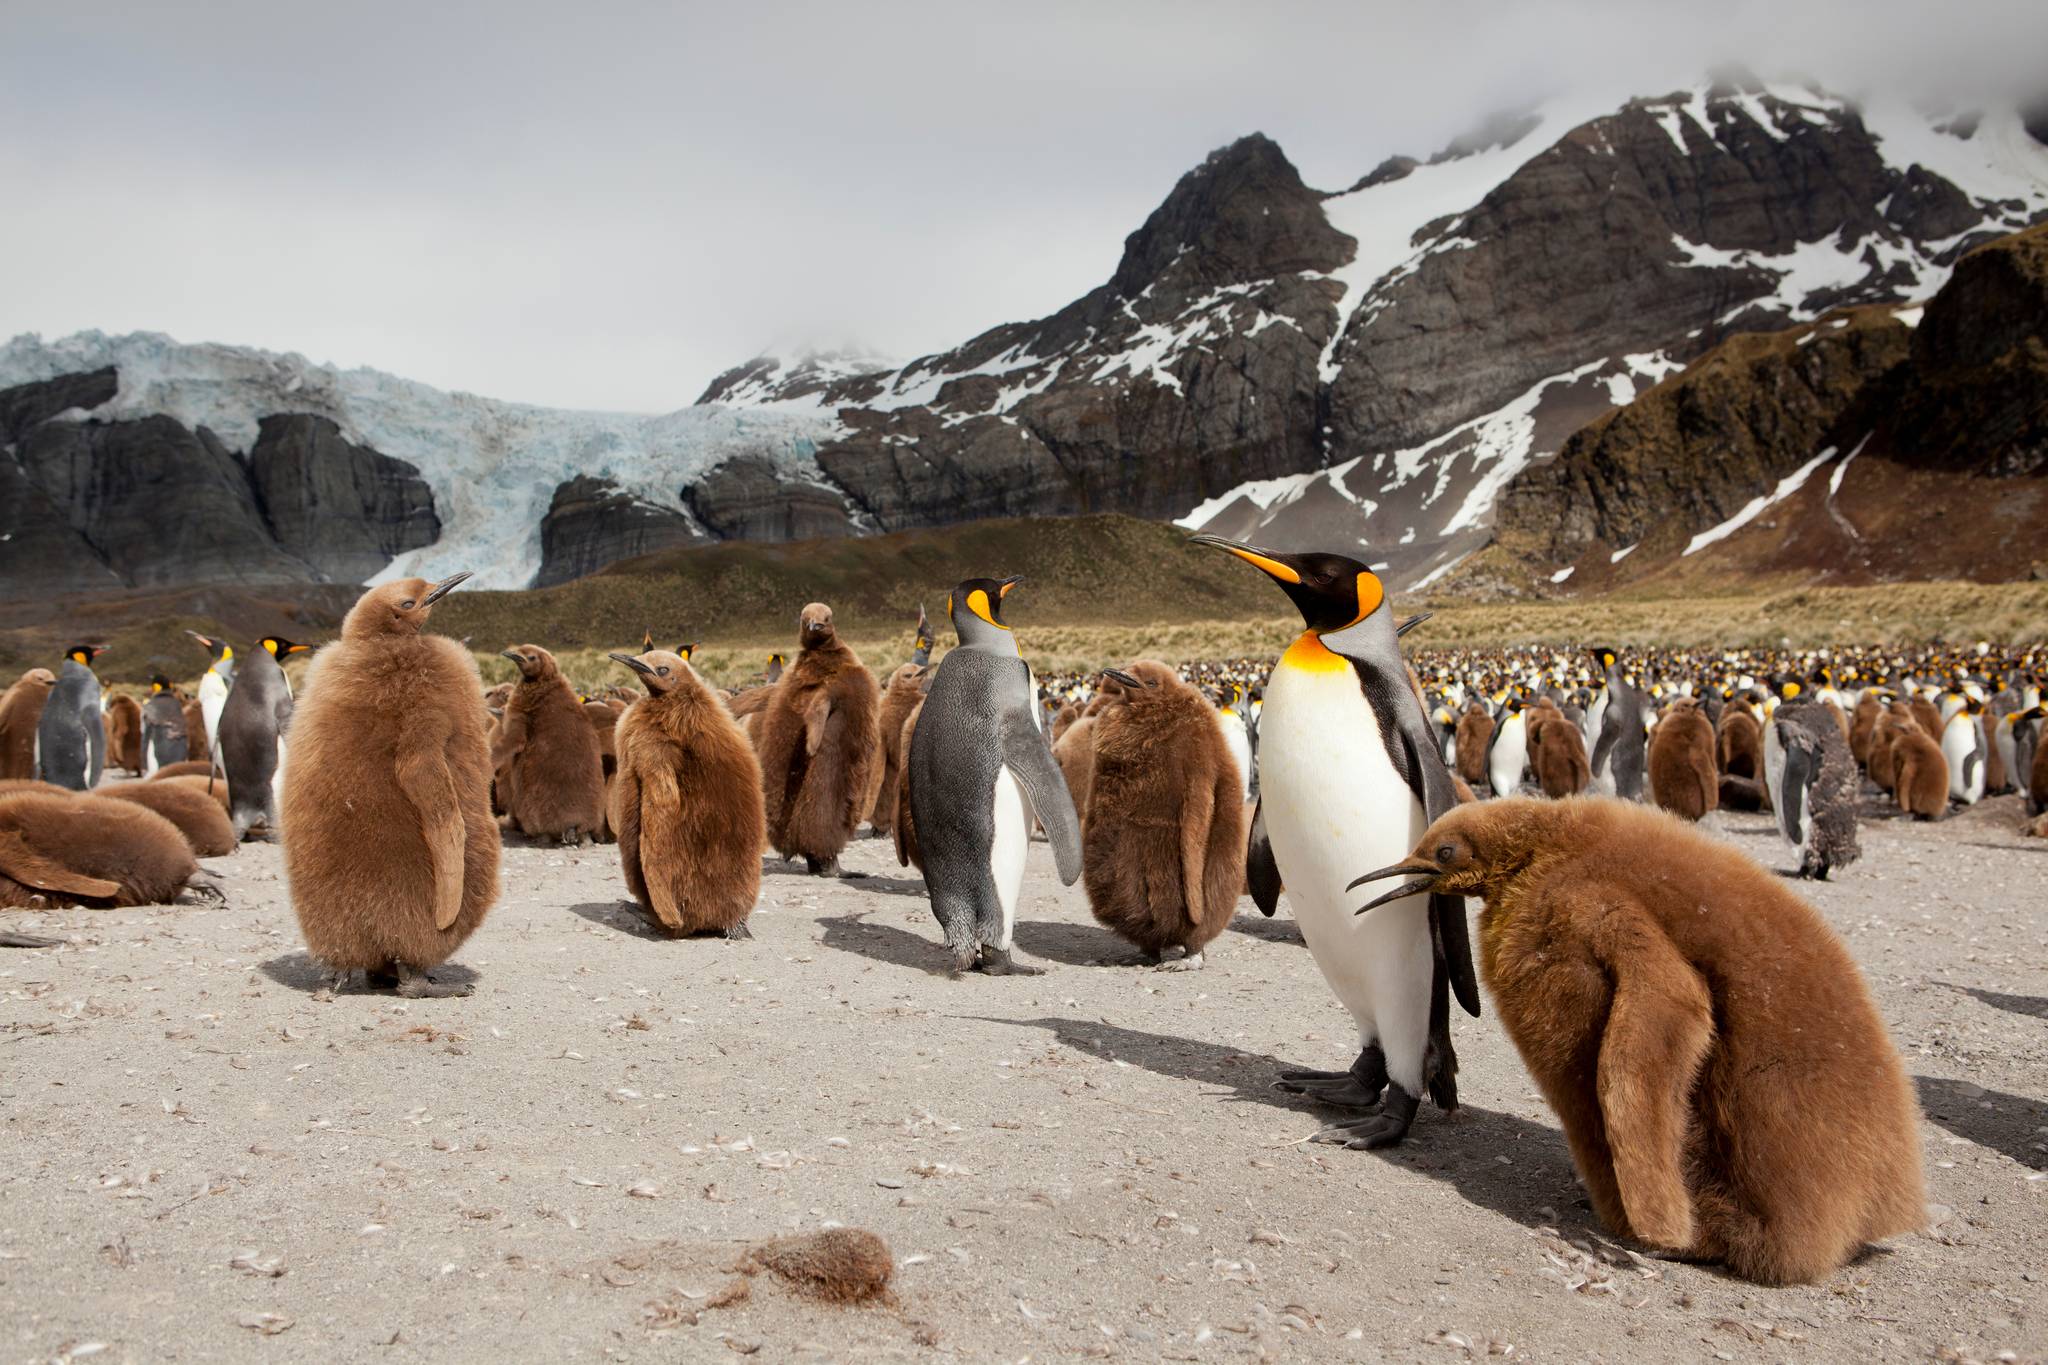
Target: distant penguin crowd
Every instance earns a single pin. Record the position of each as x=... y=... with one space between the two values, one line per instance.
x=1561 y=788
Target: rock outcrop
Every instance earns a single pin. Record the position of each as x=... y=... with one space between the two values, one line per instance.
x=752 y=499
x=592 y=522
x=343 y=508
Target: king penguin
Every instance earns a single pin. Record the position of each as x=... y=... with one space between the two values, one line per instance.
x=1237 y=737
x=71 y=736
x=252 y=727
x=1349 y=770
x=163 y=727
x=921 y=652
x=1962 y=744
x=214 y=687
x=1616 y=726
x=978 y=759
x=1507 y=753
x=1812 y=780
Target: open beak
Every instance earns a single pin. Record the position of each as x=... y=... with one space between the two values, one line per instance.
x=1250 y=554
x=1118 y=675
x=1411 y=623
x=630 y=662
x=443 y=588
x=1427 y=872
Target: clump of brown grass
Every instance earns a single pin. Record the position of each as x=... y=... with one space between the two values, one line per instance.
x=839 y=1265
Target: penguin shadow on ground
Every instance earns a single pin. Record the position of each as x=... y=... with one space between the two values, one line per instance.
x=302 y=973
x=1076 y=945
x=894 y=886
x=1990 y=1118
x=861 y=936
x=2030 y=846
x=623 y=916
x=2035 y=1006
x=1531 y=1187
x=772 y=866
x=1278 y=929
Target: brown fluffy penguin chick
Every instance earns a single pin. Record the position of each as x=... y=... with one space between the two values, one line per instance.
x=124 y=733
x=1723 y=1079
x=1683 y=778
x=1869 y=711
x=1075 y=753
x=604 y=721
x=1920 y=774
x=389 y=844
x=687 y=803
x=184 y=802
x=819 y=739
x=547 y=746
x=1475 y=732
x=906 y=689
x=196 y=749
x=67 y=849
x=21 y=708
x=905 y=827
x=1882 y=770
x=1557 y=751
x=1928 y=716
x=1163 y=843
x=1740 y=748
x=1063 y=721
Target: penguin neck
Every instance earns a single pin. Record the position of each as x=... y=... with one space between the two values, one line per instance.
x=1000 y=643
x=922 y=655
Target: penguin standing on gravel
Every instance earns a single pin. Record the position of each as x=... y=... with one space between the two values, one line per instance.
x=1813 y=784
x=1507 y=750
x=71 y=736
x=1349 y=769
x=214 y=687
x=979 y=769
x=163 y=727
x=1615 y=724
x=252 y=725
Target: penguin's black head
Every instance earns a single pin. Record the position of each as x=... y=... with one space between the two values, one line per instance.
x=84 y=654
x=1605 y=655
x=683 y=652
x=659 y=670
x=1330 y=591
x=925 y=638
x=646 y=641
x=976 y=600
x=279 y=648
x=158 y=683
x=777 y=659
x=217 y=648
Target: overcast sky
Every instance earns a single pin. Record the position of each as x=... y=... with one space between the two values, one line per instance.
x=602 y=205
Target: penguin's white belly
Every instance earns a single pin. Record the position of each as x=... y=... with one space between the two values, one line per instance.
x=1959 y=745
x=1510 y=756
x=213 y=695
x=1240 y=745
x=1335 y=808
x=277 y=776
x=1774 y=783
x=1006 y=851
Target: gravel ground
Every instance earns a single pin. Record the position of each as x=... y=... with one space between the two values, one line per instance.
x=202 y=1162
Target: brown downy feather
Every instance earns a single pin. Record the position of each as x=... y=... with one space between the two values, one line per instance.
x=1724 y=1081
x=1557 y=751
x=21 y=708
x=1741 y=743
x=1683 y=778
x=687 y=805
x=196 y=749
x=389 y=845
x=1869 y=710
x=185 y=802
x=1075 y=753
x=819 y=740
x=1920 y=774
x=1475 y=732
x=905 y=828
x=69 y=849
x=1928 y=716
x=1163 y=841
x=124 y=733
x=906 y=689
x=1069 y=712
x=546 y=745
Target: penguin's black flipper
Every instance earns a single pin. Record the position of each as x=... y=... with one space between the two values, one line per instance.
x=1802 y=767
x=1261 y=873
x=1029 y=758
x=1610 y=732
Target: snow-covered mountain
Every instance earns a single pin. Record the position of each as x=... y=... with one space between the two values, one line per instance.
x=1367 y=367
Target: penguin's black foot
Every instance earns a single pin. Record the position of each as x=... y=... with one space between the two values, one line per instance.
x=384 y=978
x=738 y=933
x=1384 y=1126
x=1288 y=1078
x=332 y=983
x=1344 y=1092
x=998 y=962
x=414 y=984
x=1368 y=1069
x=821 y=867
x=202 y=889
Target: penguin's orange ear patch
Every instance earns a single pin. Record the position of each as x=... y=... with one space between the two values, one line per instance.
x=977 y=602
x=1371 y=592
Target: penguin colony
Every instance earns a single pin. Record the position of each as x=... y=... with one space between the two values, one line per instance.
x=1166 y=792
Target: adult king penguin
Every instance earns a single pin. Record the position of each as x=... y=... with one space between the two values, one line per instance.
x=1615 y=726
x=163 y=727
x=71 y=736
x=213 y=688
x=251 y=728
x=1348 y=769
x=979 y=769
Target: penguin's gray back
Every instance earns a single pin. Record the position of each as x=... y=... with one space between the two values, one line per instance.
x=252 y=725
x=71 y=737
x=163 y=732
x=1829 y=799
x=1622 y=746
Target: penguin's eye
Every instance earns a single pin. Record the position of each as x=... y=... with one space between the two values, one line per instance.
x=1446 y=852
x=663 y=670
x=406 y=605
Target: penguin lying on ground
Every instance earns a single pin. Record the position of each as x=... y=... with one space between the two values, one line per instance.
x=389 y=845
x=1683 y=779
x=818 y=739
x=980 y=769
x=71 y=734
x=1349 y=770
x=61 y=848
x=250 y=744
x=1163 y=845
x=1724 y=1081
x=21 y=709
x=550 y=754
x=686 y=803
x=185 y=802
x=1812 y=779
